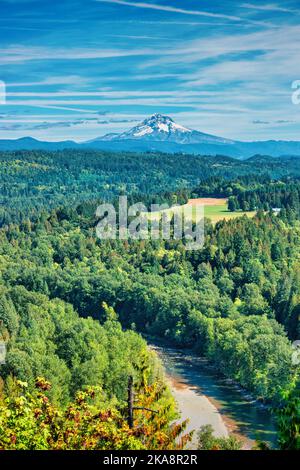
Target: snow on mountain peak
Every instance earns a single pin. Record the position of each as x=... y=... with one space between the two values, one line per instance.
x=161 y=128
x=156 y=127
x=163 y=123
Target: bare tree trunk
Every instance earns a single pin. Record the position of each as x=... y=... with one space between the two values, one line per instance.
x=130 y=401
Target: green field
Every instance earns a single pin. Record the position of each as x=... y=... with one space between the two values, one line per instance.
x=214 y=212
x=219 y=212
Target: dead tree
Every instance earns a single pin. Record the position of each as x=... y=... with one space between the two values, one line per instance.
x=130 y=402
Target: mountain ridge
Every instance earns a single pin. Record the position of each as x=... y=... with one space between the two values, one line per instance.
x=160 y=133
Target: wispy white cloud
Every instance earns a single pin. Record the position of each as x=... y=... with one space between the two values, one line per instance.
x=154 y=6
x=129 y=36
x=17 y=54
x=58 y=104
x=61 y=108
x=219 y=79
x=83 y=82
x=54 y=80
x=278 y=121
x=259 y=45
x=109 y=94
x=268 y=7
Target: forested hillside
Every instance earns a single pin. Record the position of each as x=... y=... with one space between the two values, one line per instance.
x=63 y=293
x=31 y=181
x=233 y=300
x=82 y=402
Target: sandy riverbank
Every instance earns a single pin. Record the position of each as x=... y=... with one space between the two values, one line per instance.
x=205 y=397
x=189 y=400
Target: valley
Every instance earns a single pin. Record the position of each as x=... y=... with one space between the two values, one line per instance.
x=73 y=306
x=149 y=232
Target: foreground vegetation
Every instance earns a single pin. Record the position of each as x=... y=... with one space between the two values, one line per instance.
x=29 y=421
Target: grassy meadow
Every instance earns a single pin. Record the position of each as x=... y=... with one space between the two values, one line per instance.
x=215 y=209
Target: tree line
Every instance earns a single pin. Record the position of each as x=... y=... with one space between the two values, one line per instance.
x=32 y=181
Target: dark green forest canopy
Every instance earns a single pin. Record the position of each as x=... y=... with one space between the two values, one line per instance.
x=34 y=180
x=233 y=301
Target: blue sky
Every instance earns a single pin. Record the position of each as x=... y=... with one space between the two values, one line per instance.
x=77 y=69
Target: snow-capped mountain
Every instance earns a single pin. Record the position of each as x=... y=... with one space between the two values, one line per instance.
x=161 y=133
x=160 y=128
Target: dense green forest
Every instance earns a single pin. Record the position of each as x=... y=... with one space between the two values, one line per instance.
x=231 y=300
x=31 y=181
x=71 y=304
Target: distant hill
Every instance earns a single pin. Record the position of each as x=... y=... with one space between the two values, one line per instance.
x=28 y=143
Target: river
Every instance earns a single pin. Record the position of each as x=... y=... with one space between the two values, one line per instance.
x=205 y=397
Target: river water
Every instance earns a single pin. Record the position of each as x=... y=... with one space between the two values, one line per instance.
x=205 y=397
